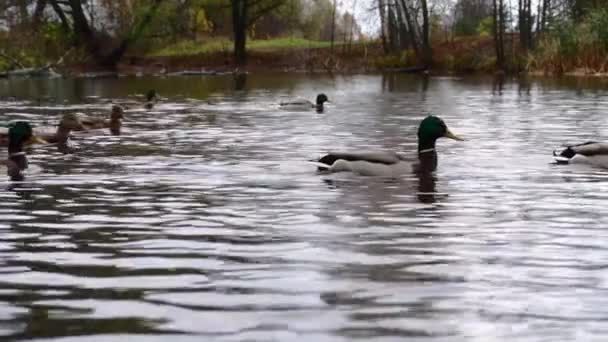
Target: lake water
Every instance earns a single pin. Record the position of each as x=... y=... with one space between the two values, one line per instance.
x=205 y=221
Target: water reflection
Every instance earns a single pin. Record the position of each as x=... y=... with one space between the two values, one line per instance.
x=204 y=220
x=240 y=81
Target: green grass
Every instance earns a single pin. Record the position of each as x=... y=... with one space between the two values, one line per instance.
x=190 y=48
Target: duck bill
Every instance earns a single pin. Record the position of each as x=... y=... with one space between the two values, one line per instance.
x=451 y=135
x=35 y=140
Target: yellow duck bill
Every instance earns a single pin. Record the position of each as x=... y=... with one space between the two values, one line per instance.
x=451 y=135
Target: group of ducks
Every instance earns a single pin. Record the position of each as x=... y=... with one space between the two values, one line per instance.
x=21 y=134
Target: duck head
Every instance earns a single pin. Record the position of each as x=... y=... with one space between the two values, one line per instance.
x=151 y=95
x=71 y=121
x=321 y=99
x=116 y=119
x=117 y=113
x=20 y=133
x=431 y=129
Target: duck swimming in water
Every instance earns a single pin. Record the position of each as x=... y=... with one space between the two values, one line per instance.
x=20 y=133
x=392 y=164
x=302 y=104
x=151 y=99
x=61 y=134
x=114 y=123
x=592 y=153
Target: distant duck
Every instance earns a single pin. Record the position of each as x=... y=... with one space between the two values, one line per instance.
x=303 y=104
x=151 y=99
x=136 y=101
x=114 y=123
x=592 y=153
x=20 y=133
x=392 y=164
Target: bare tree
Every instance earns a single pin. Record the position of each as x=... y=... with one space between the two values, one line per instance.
x=382 y=13
x=74 y=19
x=427 y=54
x=244 y=14
x=498 y=30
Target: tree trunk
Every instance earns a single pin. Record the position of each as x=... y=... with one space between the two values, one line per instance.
x=333 y=27
x=546 y=8
x=501 y=32
x=411 y=27
x=497 y=28
x=392 y=31
x=38 y=13
x=112 y=59
x=352 y=24
x=65 y=24
x=426 y=44
x=403 y=38
x=381 y=11
x=23 y=14
x=529 y=23
x=244 y=15
x=239 y=26
x=84 y=35
x=521 y=25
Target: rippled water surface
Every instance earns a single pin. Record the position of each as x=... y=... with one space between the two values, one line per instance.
x=205 y=221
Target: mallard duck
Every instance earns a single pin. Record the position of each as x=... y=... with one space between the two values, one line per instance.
x=593 y=153
x=392 y=164
x=114 y=123
x=151 y=99
x=302 y=104
x=61 y=134
x=20 y=133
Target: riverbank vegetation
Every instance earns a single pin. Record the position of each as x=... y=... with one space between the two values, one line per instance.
x=545 y=36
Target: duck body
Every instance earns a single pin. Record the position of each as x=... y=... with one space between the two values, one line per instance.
x=147 y=101
x=114 y=123
x=297 y=104
x=305 y=105
x=387 y=164
x=591 y=153
x=392 y=164
x=61 y=133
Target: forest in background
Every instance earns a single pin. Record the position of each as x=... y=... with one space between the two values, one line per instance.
x=549 y=36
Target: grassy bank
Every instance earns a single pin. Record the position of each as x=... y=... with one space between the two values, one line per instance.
x=219 y=45
x=460 y=55
x=280 y=54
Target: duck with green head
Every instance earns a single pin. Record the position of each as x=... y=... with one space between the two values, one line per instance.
x=20 y=133
x=391 y=164
x=305 y=105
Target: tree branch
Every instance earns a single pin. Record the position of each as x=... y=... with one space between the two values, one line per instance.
x=264 y=10
x=10 y=59
x=65 y=24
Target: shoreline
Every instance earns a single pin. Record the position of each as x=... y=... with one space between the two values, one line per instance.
x=190 y=66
